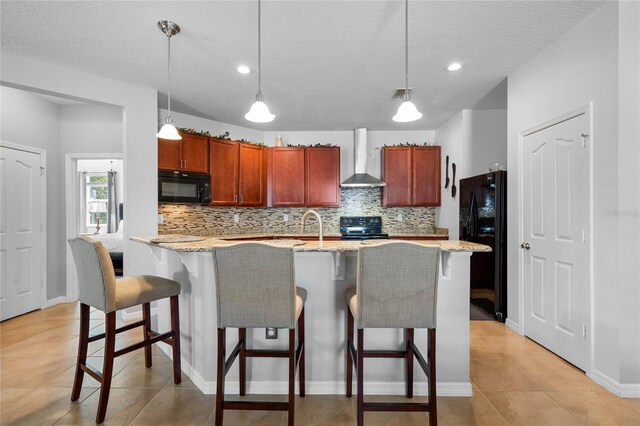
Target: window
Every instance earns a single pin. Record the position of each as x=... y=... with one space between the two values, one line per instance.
x=96 y=192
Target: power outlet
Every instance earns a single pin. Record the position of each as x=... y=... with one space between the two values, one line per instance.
x=271 y=333
x=236 y=218
x=285 y=217
x=399 y=217
x=160 y=218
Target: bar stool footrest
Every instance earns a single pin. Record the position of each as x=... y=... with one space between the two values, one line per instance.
x=255 y=405
x=396 y=406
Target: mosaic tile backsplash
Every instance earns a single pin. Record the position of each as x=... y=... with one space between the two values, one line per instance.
x=193 y=219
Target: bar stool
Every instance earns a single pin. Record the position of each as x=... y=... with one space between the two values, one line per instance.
x=99 y=288
x=255 y=288
x=396 y=288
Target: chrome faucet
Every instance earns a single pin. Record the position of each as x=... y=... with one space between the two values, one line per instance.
x=304 y=220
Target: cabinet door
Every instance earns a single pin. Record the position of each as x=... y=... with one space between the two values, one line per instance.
x=426 y=175
x=397 y=174
x=224 y=172
x=195 y=153
x=286 y=173
x=322 y=177
x=169 y=154
x=252 y=176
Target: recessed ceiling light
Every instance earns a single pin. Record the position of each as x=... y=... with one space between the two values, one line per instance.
x=243 y=69
x=454 y=66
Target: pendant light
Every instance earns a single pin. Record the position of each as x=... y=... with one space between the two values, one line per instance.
x=407 y=110
x=259 y=112
x=168 y=130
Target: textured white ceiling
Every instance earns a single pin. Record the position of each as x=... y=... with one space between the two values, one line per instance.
x=327 y=65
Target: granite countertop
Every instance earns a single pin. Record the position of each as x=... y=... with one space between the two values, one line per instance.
x=208 y=244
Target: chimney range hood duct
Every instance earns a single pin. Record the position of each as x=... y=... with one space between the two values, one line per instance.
x=361 y=179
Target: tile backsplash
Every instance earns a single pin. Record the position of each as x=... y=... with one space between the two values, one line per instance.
x=203 y=220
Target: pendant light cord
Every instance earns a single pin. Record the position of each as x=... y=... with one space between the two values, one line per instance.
x=259 y=95
x=169 y=75
x=406 y=47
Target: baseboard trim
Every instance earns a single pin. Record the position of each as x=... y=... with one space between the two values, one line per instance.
x=512 y=325
x=623 y=390
x=55 y=301
x=459 y=389
x=134 y=316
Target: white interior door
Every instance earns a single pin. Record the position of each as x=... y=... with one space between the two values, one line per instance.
x=555 y=246
x=21 y=239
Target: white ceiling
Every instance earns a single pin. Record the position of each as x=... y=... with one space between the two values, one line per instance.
x=327 y=65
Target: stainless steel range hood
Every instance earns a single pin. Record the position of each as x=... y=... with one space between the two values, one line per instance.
x=361 y=179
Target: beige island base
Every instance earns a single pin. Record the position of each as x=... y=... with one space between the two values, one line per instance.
x=326 y=270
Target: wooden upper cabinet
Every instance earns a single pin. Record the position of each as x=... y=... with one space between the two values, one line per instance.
x=426 y=175
x=286 y=177
x=169 y=154
x=396 y=173
x=190 y=154
x=412 y=175
x=252 y=175
x=224 y=172
x=322 y=181
x=195 y=153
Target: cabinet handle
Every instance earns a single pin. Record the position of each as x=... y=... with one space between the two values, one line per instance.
x=241 y=199
x=185 y=164
x=235 y=198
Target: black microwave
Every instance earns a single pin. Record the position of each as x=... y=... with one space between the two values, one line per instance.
x=181 y=187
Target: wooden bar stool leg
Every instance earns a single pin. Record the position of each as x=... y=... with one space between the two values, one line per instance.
x=360 y=374
x=220 y=379
x=242 y=336
x=107 y=369
x=431 y=354
x=146 y=329
x=292 y=375
x=175 y=329
x=409 y=361
x=83 y=344
x=301 y=367
x=349 y=366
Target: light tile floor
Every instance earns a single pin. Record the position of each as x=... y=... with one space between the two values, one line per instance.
x=515 y=381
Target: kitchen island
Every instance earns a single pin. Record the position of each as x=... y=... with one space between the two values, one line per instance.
x=326 y=270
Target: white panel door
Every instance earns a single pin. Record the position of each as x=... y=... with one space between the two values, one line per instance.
x=21 y=241
x=555 y=247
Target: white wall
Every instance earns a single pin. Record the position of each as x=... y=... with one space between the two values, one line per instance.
x=91 y=129
x=214 y=127
x=30 y=120
x=139 y=108
x=629 y=190
x=486 y=131
x=581 y=67
x=450 y=137
x=474 y=140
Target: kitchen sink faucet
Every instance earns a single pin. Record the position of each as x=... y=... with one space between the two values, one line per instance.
x=304 y=220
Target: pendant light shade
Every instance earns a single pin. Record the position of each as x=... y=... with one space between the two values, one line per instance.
x=407 y=111
x=168 y=130
x=259 y=112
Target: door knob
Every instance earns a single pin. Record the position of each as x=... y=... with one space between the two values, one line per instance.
x=525 y=246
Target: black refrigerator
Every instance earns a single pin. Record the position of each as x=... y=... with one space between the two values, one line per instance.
x=483 y=220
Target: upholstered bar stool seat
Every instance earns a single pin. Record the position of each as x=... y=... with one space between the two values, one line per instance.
x=396 y=288
x=99 y=288
x=255 y=288
x=137 y=290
